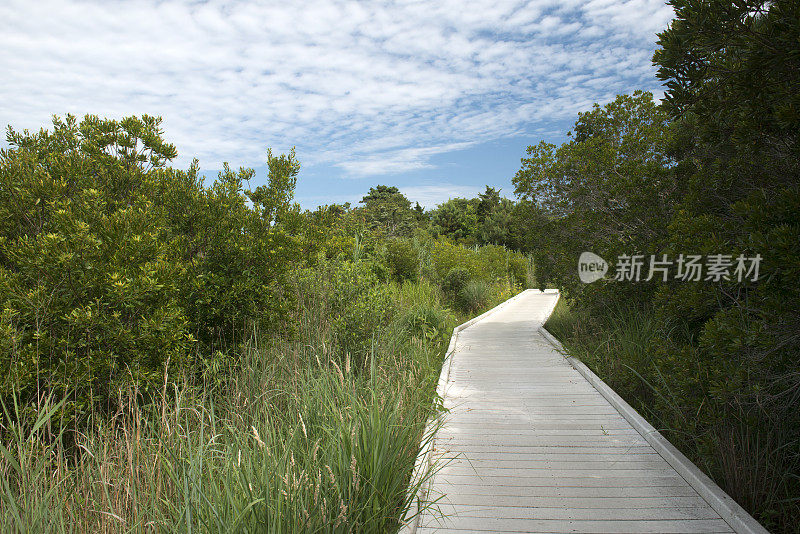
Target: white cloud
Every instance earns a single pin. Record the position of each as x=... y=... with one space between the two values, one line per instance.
x=430 y=196
x=372 y=88
x=396 y=161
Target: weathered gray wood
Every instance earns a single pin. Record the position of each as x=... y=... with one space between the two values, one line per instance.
x=579 y=514
x=474 y=524
x=570 y=503
x=530 y=445
x=445 y=482
x=596 y=493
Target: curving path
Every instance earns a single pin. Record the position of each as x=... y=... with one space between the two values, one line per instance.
x=531 y=445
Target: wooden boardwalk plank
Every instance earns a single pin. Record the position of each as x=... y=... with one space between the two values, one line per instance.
x=473 y=524
x=529 y=444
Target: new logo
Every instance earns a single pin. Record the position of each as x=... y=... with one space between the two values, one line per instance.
x=591 y=267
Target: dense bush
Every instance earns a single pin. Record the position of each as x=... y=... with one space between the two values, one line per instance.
x=457 y=219
x=114 y=268
x=354 y=302
x=493 y=263
x=454 y=281
x=401 y=259
x=90 y=270
x=314 y=431
x=490 y=263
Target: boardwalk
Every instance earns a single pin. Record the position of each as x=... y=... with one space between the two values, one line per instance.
x=532 y=446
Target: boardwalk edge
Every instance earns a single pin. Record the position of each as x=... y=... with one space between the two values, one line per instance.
x=722 y=503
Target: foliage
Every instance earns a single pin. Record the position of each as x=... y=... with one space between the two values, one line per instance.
x=401 y=259
x=89 y=267
x=352 y=300
x=731 y=69
x=489 y=263
x=113 y=267
x=454 y=281
x=457 y=219
x=488 y=201
x=608 y=190
x=497 y=226
x=387 y=211
x=486 y=219
x=425 y=321
x=731 y=76
x=303 y=437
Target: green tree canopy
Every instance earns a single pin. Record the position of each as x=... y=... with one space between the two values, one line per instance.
x=388 y=211
x=457 y=218
x=608 y=190
x=732 y=72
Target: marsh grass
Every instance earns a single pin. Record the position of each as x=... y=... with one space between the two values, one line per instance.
x=291 y=437
x=321 y=450
x=293 y=440
x=474 y=295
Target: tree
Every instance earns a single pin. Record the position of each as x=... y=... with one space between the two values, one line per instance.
x=457 y=218
x=419 y=215
x=487 y=202
x=732 y=73
x=610 y=188
x=388 y=211
x=274 y=199
x=732 y=70
x=495 y=228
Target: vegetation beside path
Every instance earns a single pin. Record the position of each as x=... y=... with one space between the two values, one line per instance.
x=188 y=358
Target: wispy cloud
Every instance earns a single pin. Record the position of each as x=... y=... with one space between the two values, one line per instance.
x=372 y=88
x=395 y=161
x=430 y=196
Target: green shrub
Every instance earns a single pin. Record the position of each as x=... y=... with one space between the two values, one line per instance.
x=454 y=281
x=474 y=295
x=401 y=259
x=115 y=269
x=444 y=256
x=351 y=298
x=519 y=270
x=492 y=263
x=358 y=325
x=409 y=294
x=89 y=273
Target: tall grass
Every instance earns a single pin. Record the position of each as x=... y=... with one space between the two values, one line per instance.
x=474 y=295
x=289 y=437
x=294 y=440
x=331 y=455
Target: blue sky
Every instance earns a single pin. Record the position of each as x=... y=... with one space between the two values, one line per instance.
x=437 y=98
